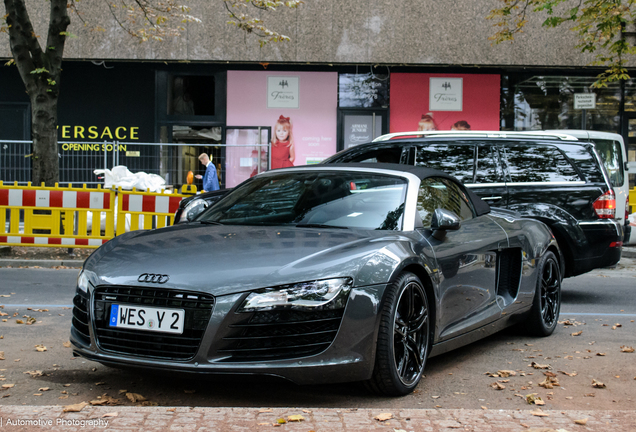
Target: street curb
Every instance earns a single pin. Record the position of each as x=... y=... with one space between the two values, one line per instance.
x=629 y=252
x=40 y=263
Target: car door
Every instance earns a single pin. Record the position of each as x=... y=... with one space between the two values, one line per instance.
x=467 y=297
x=489 y=182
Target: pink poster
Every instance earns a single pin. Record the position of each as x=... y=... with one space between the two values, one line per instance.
x=422 y=102
x=299 y=107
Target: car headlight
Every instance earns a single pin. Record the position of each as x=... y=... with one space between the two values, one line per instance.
x=325 y=294
x=193 y=209
x=82 y=281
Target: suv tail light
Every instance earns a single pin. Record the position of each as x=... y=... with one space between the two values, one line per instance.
x=627 y=210
x=605 y=205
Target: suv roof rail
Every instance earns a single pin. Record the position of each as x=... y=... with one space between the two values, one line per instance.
x=488 y=134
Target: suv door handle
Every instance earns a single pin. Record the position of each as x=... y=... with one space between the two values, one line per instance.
x=492 y=198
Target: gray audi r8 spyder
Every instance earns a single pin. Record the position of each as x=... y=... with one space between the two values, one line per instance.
x=326 y=273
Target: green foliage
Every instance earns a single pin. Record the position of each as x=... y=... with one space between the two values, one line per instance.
x=39 y=71
x=600 y=26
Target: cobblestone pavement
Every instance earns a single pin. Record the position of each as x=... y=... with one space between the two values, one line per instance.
x=115 y=418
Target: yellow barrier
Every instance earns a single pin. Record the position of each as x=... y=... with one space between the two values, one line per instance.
x=632 y=200
x=55 y=216
x=156 y=210
x=78 y=217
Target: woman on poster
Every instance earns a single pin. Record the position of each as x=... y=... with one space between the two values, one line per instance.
x=283 y=152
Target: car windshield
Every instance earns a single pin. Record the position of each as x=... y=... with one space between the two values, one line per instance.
x=312 y=198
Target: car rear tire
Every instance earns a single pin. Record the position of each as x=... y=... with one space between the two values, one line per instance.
x=547 y=298
x=403 y=338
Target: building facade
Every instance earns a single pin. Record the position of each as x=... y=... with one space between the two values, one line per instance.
x=352 y=71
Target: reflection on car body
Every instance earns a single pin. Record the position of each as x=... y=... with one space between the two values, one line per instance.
x=319 y=274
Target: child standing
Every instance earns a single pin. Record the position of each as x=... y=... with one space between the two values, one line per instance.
x=283 y=153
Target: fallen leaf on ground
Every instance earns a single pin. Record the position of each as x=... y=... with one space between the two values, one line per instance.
x=105 y=400
x=37 y=394
x=265 y=410
x=66 y=344
x=506 y=373
x=624 y=348
x=189 y=391
x=534 y=399
x=597 y=384
x=484 y=407
x=113 y=414
x=600 y=354
x=539 y=413
x=19 y=322
x=1 y=355
x=295 y=418
x=44 y=389
x=569 y=373
x=281 y=421
x=7 y=386
x=383 y=417
x=497 y=386
x=75 y=408
x=581 y=422
x=135 y=397
x=307 y=411
x=540 y=366
x=578 y=333
x=40 y=348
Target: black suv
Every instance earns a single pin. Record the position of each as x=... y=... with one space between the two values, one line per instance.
x=550 y=177
x=547 y=176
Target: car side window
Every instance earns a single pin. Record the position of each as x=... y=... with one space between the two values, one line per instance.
x=436 y=192
x=487 y=166
x=538 y=163
x=376 y=153
x=454 y=159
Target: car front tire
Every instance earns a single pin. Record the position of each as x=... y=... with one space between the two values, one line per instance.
x=547 y=298
x=403 y=338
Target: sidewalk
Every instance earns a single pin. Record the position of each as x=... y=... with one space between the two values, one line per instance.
x=160 y=419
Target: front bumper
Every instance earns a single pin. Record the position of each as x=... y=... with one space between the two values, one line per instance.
x=348 y=357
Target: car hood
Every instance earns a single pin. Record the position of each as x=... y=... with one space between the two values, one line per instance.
x=230 y=259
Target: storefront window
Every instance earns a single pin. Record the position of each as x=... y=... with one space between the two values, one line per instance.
x=548 y=102
x=363 y=90
x=190 y=95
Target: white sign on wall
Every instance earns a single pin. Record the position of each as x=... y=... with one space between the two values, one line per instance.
x=445 y=94
x=282 y=92
x=584 y=100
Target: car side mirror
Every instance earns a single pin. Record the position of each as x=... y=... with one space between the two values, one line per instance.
x=442 y=221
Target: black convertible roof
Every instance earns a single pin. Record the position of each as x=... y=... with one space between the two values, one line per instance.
x=481 y=207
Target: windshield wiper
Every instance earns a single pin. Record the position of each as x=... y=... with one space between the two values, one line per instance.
x=207 y=222
x=314 y=225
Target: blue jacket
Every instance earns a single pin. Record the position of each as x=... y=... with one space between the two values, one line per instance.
x=210 y=180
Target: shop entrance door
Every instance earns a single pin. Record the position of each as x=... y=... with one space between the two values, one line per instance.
x=357 y=126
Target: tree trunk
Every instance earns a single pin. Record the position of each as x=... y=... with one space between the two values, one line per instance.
x=40 y=71
x=45 y=159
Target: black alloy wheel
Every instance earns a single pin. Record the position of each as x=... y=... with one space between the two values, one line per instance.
x=547 y=300
x=403 y=339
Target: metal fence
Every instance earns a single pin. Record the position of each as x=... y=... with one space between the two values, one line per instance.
x=172 y=161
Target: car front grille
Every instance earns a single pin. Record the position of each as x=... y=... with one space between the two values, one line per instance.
x=279 y=335
x=80 y=317
x=198 y=309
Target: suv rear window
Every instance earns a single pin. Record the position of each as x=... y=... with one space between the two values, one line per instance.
x=612 y=157
x=538 y=163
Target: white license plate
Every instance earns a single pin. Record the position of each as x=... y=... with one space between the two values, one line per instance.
x=147 y=318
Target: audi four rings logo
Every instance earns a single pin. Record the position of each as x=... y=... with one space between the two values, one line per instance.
x=153 y=278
